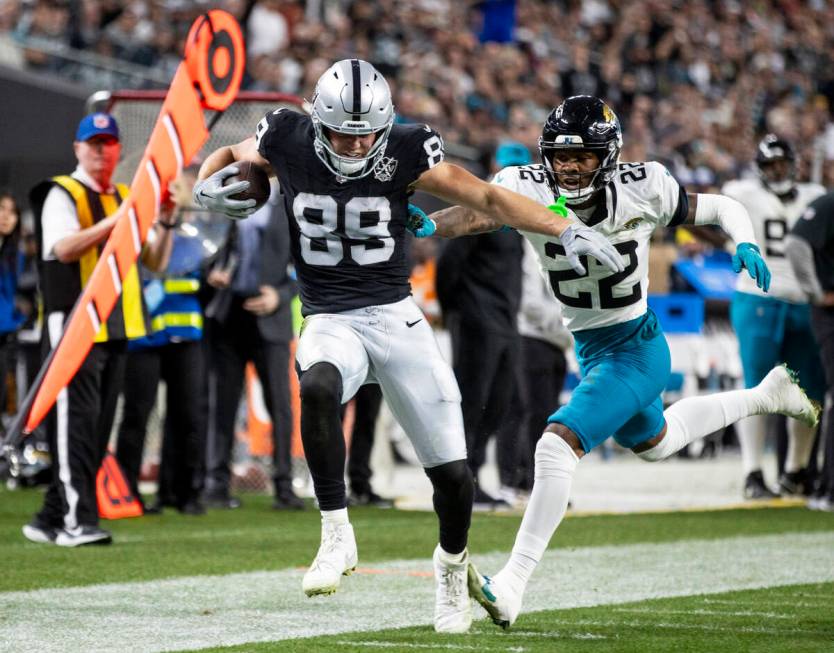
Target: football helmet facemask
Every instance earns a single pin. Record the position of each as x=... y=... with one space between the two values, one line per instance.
x=351 y=98
x=582 y=122
x=776 y=164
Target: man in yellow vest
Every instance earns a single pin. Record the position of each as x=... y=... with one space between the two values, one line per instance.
x=74 y=215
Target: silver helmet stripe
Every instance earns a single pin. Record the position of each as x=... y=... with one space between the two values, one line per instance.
x=357 y=89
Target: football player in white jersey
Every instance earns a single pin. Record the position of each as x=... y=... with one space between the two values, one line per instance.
x=777 y=326
x=623 y=356
x=345 y=174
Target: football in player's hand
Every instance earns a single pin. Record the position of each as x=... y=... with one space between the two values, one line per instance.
x=258 y=183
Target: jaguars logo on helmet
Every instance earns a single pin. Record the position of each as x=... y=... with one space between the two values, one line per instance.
x=582 y=122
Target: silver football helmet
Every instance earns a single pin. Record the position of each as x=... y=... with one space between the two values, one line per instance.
x=351 y=97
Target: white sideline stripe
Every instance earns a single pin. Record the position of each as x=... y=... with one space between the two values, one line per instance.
x=434 y=647
x=206 y=611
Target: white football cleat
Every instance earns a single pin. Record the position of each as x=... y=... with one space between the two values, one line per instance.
x=784 y=395
x=452 y=607
x=500 y=601
x=336 y=557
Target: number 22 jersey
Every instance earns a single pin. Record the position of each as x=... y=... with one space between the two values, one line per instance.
x=641 y=197
x=347 y=237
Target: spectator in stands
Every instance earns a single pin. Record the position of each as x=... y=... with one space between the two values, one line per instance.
x=721 y=77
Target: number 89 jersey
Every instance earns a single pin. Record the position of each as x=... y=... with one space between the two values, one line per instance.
x=641 y=197
x=348 y=236
x=772 y=221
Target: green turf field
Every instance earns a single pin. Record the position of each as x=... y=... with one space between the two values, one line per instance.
x=737 y=580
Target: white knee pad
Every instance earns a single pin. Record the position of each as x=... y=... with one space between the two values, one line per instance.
x=554 y=457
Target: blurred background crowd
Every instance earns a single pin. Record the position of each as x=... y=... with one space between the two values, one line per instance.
x=694 y=83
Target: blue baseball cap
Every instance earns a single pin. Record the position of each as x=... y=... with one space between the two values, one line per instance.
x=512 y=153
x=97 y=124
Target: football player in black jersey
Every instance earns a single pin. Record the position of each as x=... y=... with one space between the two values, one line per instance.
x=346 y=173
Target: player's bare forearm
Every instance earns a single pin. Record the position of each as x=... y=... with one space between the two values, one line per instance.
x=215 y=161
x=461 y=221
x=458 y=186
x=244 y=151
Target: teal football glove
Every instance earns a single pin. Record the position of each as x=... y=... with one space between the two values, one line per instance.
x=421 y=225
x=747 y=256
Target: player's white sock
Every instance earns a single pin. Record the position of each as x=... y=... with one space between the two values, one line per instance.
x=800 y=442
x=452 y=558
x=555 y=464
x=751 y=438
x=339 y=516
x=694 y=417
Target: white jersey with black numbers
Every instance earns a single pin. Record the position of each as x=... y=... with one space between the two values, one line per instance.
x=772 y=221
x=641 y=197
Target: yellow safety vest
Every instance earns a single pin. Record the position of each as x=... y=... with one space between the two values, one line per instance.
x=128 y=318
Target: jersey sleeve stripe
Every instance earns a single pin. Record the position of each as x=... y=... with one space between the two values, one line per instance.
x=683 y=208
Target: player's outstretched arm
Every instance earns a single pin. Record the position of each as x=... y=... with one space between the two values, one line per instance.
x=732 y=217
x=499 y=205
x=210 y=191
x=502 y=206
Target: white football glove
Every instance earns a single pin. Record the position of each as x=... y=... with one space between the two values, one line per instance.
x=579 y=240
x=211 y=194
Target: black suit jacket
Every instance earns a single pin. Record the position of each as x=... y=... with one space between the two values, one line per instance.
x=273 y=269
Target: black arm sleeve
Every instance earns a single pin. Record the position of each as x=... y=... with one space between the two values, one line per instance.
x=683 y=208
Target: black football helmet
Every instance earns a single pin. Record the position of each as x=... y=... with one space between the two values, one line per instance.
x=779 y=178
x=582 y=122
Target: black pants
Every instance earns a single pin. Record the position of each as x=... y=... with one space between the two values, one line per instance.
x=823 y=324
x=368 y=401
x=233 y=344
x=542 y=369
x=180 y=365
x=79 y=428
x=8 y=363
x=485 y=367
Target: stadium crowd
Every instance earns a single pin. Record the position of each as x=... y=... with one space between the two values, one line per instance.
x=694 y=83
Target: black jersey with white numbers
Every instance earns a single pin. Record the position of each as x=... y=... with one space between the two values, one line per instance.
x=348 y=237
